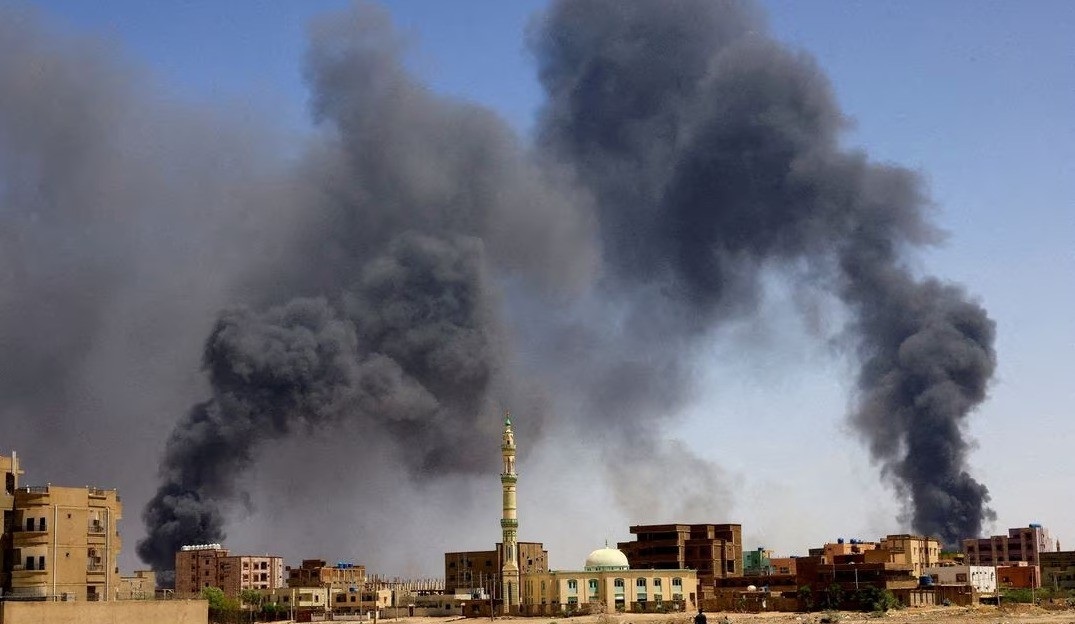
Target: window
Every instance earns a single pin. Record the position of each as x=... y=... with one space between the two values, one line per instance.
x=677 y=582
x=593 y=584
x=618 y=583
x=640 y=582
x=41 y=562
x=41 y=524
x=29 y=524
x=30 y=563
x=656 y=582
x=573 y=584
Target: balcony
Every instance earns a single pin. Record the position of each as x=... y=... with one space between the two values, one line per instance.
x=95 y=568
x=21 y=572
x=96 y=527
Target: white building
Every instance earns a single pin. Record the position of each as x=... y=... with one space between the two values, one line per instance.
x=982 y=578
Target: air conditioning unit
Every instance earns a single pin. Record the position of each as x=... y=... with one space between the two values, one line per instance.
x=66 y=597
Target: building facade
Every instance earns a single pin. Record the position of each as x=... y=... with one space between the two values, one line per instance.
x=210 y=565
x=1058 y=569
x=9 y=468
x=608 y=584
x=714 y=551
x=1021 y=544
x=317 y=573
x=142 y=585
x=917 y=551
x=1018 y=576
x=64 y=543
x=982 y=578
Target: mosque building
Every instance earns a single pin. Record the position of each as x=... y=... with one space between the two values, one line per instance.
x=517 y=576
x=607 y=584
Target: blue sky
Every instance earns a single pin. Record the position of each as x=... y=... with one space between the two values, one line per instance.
x=977 y=96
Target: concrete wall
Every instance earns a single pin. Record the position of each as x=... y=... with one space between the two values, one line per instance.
x=122 y=612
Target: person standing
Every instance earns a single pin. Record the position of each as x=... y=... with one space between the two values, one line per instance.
x=700 y=618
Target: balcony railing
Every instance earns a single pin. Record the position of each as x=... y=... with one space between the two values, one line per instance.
x=95 y=526
x=95 y=567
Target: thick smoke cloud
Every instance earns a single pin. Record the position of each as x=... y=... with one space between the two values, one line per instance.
x=714 y=156
x=125 y=224
x=681 y=156
x=410 y=202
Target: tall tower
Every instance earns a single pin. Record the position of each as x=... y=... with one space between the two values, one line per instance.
x=509 y=523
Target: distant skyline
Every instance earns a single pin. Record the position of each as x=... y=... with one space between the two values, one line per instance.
x=975 y=96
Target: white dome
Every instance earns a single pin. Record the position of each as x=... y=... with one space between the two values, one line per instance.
x=606 y=559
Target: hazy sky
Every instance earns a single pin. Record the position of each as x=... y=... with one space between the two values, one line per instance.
x=976 y=96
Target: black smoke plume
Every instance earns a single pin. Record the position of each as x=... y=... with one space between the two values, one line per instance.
x=714 y=156
x=408 y=201
x=680 y=157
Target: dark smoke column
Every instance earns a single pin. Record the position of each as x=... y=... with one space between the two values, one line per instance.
x=927 y=357
x=714 y=154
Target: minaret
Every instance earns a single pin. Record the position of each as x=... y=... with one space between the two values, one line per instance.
x=509 y=523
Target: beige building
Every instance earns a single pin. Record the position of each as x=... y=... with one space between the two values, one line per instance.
x=297 y=598
x=913 y=550
x=210 y=565
x=64 y=543
x=606 y=583
x=317 y=573
x=142 y=585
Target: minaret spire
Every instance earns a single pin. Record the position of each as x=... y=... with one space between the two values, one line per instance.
x=509 y=522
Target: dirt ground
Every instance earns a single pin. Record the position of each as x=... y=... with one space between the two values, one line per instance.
x=1016 y=614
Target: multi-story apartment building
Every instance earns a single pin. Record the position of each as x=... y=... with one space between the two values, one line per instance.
x=1020 y=544
x=210 y=565
x=64 y=543
x=480 y=569
x=917 y=551
x=317 y=573
x=713 y=550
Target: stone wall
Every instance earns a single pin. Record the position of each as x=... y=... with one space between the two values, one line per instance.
x=114 y=612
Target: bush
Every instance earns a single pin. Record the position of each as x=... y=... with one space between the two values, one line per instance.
x=875 y=600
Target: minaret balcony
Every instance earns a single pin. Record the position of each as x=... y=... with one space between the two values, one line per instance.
x=509 y=478
x=509 y=523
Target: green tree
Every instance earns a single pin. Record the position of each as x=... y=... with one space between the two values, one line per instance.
x=222 y=608
x=875 y=599
x=251 y=597
x=833 y=597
